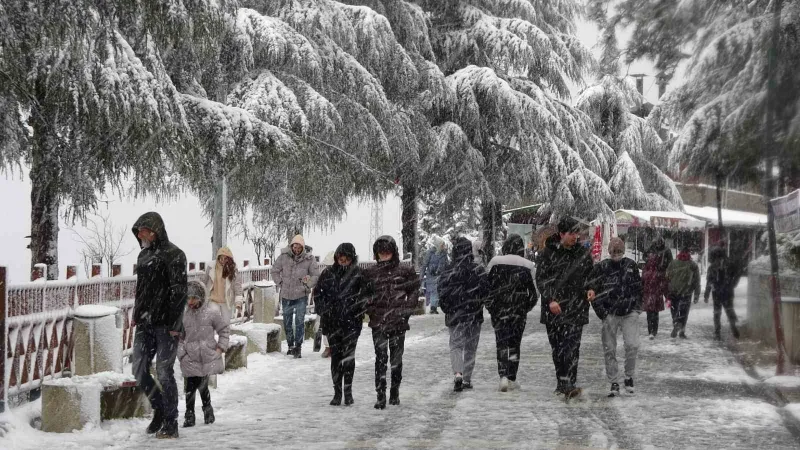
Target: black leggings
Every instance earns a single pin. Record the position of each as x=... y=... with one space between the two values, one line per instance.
x=194 y=384
x=343 y=357
x=652 y=323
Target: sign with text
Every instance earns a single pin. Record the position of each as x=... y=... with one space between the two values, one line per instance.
x=786 y=210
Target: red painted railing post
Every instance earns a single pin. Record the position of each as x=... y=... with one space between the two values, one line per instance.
x=38 y=272
x=266 y=261
x=202 y=266
x=116 y=270
x=192 y=266
x=246 y=262
x=134 y=268
x=3 y=338
x=96 y=269
x=72 y=271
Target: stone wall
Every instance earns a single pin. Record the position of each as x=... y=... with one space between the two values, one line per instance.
x=760 y=323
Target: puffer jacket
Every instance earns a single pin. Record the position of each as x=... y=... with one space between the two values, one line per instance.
x=434 y=264
x=511 y=278
x=617 y=286
x=289 y=270
x=160 y=278
x=561 y=274
x=197 y=351
x=463 y=287
x=340 y=295
x=392 y=291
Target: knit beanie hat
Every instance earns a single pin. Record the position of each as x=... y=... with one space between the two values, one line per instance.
x=196 y=289
x=616 y=245
x=298 y=239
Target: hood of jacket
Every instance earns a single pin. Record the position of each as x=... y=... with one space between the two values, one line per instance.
x=514 y=245
x=389 y=241
x=345 y=249
x=196 y=289
x=154 y=222
x=462 y=250
x=225 y=251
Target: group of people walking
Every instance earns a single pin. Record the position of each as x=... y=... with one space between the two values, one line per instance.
x=190 y=320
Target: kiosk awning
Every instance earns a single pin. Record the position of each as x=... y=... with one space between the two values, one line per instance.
x=657 y=219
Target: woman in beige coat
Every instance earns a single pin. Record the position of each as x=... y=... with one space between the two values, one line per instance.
x=224 y=283
x=199 y=353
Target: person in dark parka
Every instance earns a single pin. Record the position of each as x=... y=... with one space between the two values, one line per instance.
x=722 y=277
x=512 y=296
x=161 y=282
x=561 y=273
x=340 y=299
x=393 y=292
x=463 y=287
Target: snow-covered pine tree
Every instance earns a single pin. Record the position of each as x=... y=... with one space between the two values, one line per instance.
x=640 y=156
x=719 y=108
x=87 y=87
x=508 y=62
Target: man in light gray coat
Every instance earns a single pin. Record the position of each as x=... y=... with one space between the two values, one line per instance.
x=295 y=272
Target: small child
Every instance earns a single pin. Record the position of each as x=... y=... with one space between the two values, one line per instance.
x=199 y=353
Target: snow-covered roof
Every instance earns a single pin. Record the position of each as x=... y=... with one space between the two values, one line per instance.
x=532 y=208
x=730 y=217
x=657 y=219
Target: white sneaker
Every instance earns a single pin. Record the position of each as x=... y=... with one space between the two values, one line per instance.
x=513 y=386
x=504 y=384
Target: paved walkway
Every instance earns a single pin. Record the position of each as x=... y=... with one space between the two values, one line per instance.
x=690 y=394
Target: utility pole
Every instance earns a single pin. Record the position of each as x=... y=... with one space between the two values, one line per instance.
x=771 y=153
x=376 y=223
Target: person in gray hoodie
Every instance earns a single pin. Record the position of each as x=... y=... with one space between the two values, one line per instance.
x=199 y=353
x=296 y=273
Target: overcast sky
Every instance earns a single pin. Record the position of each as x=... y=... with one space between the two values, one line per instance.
x=185 y=223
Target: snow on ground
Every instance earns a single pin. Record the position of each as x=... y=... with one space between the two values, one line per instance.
x=690 y=394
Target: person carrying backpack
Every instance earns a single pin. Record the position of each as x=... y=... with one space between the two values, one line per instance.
x=683 y=277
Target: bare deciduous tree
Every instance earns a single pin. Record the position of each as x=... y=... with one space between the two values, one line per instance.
x=102 y=242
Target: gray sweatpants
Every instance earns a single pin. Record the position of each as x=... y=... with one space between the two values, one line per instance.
x=630 y=338
x=463 y=346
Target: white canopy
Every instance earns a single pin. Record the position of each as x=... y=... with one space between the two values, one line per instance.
x=657 y=219
x=730 y=217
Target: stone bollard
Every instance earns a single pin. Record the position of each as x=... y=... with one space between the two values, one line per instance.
x=310 y=326
x=236 y=356
x=265 y=299
x=278 y=320
x=261 y=337
x=98 y=340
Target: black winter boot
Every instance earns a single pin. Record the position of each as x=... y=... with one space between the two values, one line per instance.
x=381 y=403
x=735 y=331
x=297 y=353
x=348 y=394
x=394 y=395
x=188 y=419
x=156 y=423
x=337 y=396
x=169 y=430
x=208 y=415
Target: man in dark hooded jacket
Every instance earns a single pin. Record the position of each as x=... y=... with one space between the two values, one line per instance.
x=722 y=277
x=340 y=299
x=463 y=287
x=512 y=296
x=393 y=292
x=158 y=315
x=561 y=274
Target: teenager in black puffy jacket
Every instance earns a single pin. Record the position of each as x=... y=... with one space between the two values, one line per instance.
x=512 y=297
x=463 y=287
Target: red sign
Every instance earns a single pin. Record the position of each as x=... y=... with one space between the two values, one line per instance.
x=597 y=245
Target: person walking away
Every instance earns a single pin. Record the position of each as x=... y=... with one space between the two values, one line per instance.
x=615 y=292
x=340 y=299
x=721 y=280
x=158 y=316
x=295 y=272
x=433 y=265
x=683 y=276
x=463 y=287
x=656 y=287
x=512 y=296
x=224 y=283
x=392 y=299
x=664 y=255
x=562 y=271
x=199 y=353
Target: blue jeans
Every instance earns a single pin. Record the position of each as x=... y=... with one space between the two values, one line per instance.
x=296 y=308
x=148 y=342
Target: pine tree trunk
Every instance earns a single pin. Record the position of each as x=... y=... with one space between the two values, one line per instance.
x=44 y=199
x=409 y=219
x=491 y=219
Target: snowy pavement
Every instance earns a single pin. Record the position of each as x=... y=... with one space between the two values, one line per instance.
x=690 y=394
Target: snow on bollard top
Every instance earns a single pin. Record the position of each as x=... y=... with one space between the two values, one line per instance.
x=237 y=340
x=94 y=311
x=264 y=283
